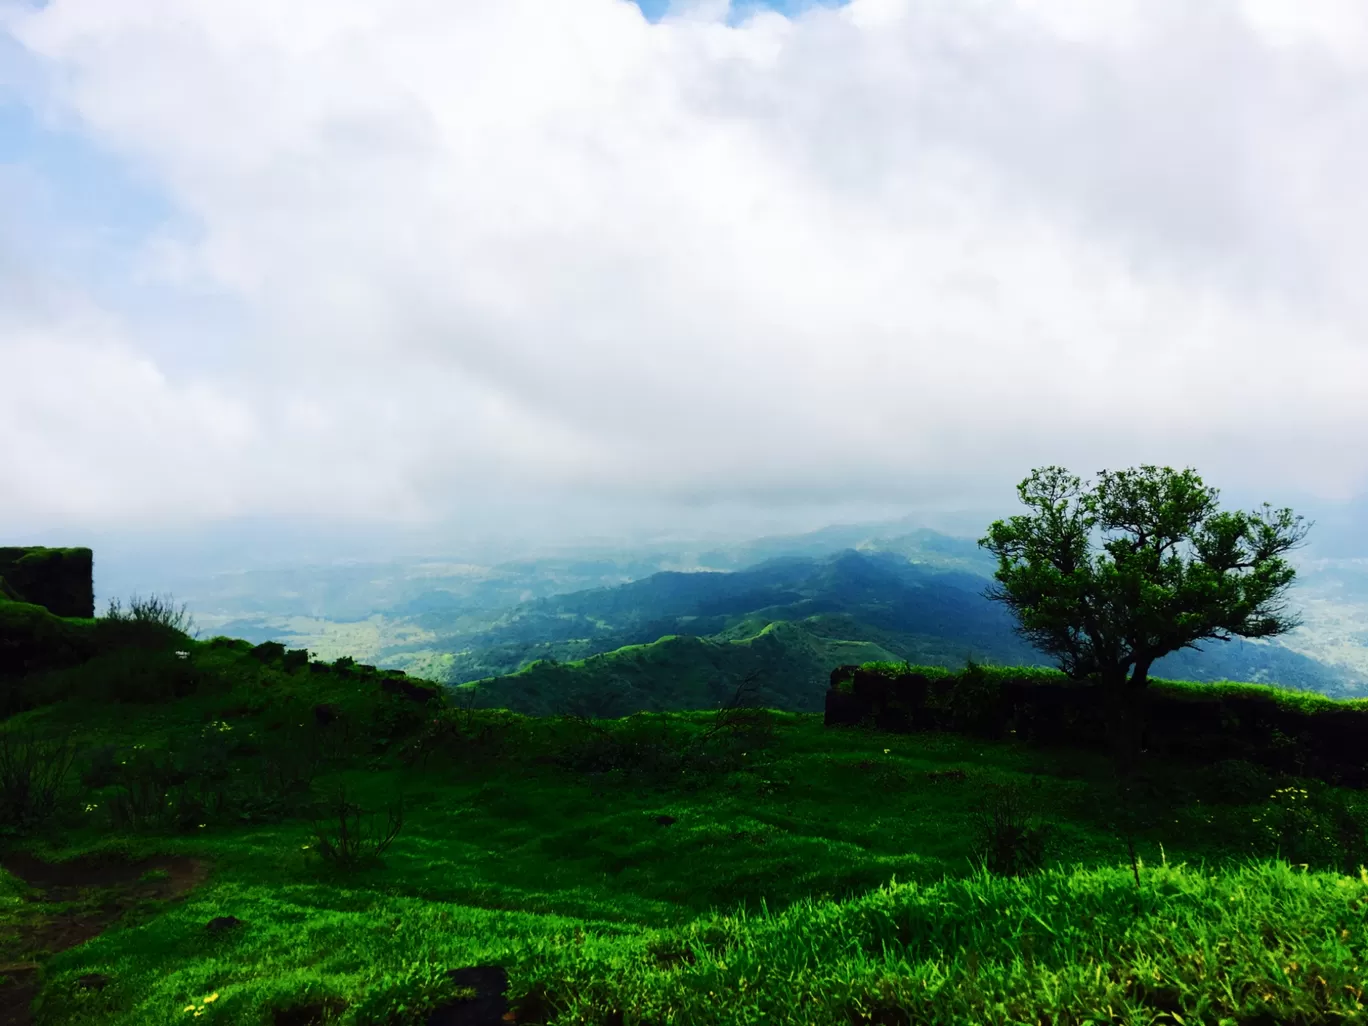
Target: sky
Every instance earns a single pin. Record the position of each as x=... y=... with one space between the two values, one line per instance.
x=524 y=269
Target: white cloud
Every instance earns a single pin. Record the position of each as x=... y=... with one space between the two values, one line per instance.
x=893 y=251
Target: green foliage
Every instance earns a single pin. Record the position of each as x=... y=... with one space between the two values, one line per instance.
x=132 y=674
x=213 y=775
x=33 y=775
x=405 y=996
x=158 y=609
x=1173 y=569
x=348 y=837
x=1008 y=839
x=677 y=672
x=796 y=875
x=1309 y=825
x=1282 y=730
x=1239 y=782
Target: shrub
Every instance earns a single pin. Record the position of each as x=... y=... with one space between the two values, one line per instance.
x=1307 y=824
x=102 y=767
x=139 y=675
x=285 y=772
x=973 y=700
x=1238 y=782
x=348 y=837
x=1008 y=840
x=158 y=610
x=32 y=777
x=141 y=796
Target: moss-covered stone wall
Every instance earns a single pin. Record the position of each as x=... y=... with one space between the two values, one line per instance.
x=60 y=580
x=1287 y=731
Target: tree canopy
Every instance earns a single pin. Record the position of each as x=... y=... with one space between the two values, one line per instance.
x=1107 y=577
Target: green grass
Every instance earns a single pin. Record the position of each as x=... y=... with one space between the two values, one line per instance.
x=676 y=672
x=814 y=876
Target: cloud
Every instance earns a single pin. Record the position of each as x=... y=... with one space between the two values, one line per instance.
x=891 y=252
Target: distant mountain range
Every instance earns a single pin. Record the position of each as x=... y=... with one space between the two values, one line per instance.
x=692 y=619
x=676 y=640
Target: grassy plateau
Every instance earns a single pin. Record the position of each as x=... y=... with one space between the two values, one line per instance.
x=196 y=831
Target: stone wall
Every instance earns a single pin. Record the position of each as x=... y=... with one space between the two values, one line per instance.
x=61 y=580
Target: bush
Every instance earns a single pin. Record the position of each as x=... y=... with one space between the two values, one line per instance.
x=139 y=675
x=285 y=772
x=349 y=837
x=141 y=795
x=1008 y=840
x=974 y=700
x=33 y=774
x=159 y=611
x=1238 y=782
x=102 y=767
x=1307 y=824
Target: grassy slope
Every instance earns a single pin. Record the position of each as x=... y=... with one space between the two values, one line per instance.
x=566 y=878
x=683 y=672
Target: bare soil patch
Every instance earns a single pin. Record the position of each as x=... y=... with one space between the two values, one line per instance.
x=72 y=902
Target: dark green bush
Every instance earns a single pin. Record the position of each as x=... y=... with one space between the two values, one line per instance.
x=268 y=652
x=139 y=675
x=349 y=837
x=158 y=610
x=33 y=775
x=1008 y=838
x=140 y=798
x=1290 y=732
x=101 y=768
x=974 y=699
x=148 y=635
x=1238 y=782
x=1306 y=823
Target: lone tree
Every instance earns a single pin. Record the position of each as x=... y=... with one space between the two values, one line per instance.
x=1110 y=576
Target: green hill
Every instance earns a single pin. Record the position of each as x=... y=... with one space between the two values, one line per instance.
x=791 y=665
x=190 y=832
x=682 y=641
x=879 y=597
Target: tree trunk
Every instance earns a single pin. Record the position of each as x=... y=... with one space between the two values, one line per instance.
x=1127 y=729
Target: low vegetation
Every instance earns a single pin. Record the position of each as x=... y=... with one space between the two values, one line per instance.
x=740 y=865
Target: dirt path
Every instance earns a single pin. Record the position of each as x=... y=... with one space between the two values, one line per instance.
x=71 y=903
